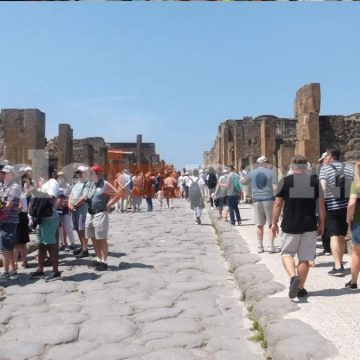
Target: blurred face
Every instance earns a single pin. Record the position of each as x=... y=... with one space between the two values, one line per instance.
x=327 y=159
x=9 y=177
x=95 y=176
x=41 y=182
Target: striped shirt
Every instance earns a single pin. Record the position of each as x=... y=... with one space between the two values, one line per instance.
x=328 y=173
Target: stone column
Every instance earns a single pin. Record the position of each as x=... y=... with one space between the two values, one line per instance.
x=307 y=109
x=285 y=154
x=138 y=151
x=224 y=144
x=268 y=138
x=65 y=156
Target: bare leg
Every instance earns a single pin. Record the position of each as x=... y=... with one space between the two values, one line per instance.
x=54 y=256
x=338 y=249
x=289 y=265
x=96 y=248
x=355 y=264
x=303 y=270
x=41 y=256
x=104 y=249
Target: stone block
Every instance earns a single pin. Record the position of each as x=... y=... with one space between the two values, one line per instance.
x=308 y=127
x=308 y=148
x=308 y=99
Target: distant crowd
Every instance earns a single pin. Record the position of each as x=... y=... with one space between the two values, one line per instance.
x=313 y=201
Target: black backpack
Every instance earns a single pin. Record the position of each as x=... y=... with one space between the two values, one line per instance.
x=212 y=181
x=40 y=207
x=341 y=190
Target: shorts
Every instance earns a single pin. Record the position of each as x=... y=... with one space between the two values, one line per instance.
x=223 y=202
x=303 y=245
x=47 y=231
x=79 y=220
x=355 y=229
x=8 y=236
x=336 y=224
x=263 y=212
x=97 y=226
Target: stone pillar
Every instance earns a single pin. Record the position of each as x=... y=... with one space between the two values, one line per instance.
x=65 y=150
x=307 y=109
x=224 y=144
x=236 y=148
x=285 y=154
x=268 y=138
x=23 y=134
x=138 y=151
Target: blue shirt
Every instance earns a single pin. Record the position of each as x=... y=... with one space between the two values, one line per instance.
x=262 y=180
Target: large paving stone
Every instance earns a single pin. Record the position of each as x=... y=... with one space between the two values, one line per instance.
x=20 y=350
x=52 y=335
x=173 y=325
x=111 y=329
x=70 y=351
x=170 y=354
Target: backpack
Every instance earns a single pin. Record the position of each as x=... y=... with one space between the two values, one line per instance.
x=212 y=181
x=194 y=190
x=41 y=206
x=237 y=184
x=340 y=184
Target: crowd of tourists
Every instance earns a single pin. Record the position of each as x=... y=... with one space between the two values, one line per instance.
x=314 y=201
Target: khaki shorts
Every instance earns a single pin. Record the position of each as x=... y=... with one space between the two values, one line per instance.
x=263 y=212
x=302 y=245
x=97 y=226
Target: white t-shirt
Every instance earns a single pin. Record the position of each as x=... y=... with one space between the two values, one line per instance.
x=51 y=187
x=24 y=204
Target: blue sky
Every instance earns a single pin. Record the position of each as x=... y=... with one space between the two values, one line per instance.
x=174 y=71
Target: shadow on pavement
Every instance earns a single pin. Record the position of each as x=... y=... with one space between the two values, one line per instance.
x=126 y=266
x=327 y=264
x=333 y=292
x=81 y=277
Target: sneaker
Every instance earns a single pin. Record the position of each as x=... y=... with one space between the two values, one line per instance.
x=301 y=293
x=239 y=223
x=37 y=274
x=294 y=286
x=5 y=275
x=351 y=286
x=77 y=251
x=14 y=275
x=271 y=249
x=260 y=249
x=54 y=276
x=83 y=254
x=101 y=267
x=337 y=272
x=198 y=220
x=72 y=247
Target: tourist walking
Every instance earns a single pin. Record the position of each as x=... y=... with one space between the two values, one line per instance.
x=245 y=187
x=211 y=182
x=220 y=196
x=78 y=207
x=97 y=218
x=22 y=233
x=10 y=193
x=137 y=191
x=149 y=190
x=169 y=190
x=353 y=220
x=196 y=195
x=336 y=178
x=233 y=194
x=298 y=195
x=263 y=184
x=123 y=183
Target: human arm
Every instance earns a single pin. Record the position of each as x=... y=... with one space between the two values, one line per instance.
x=278 y=204
x=352 y=205
x=114 y=195
x=322 y=215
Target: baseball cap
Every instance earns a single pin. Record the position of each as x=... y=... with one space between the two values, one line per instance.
x=28 y=168
x=60 y=173
x=96 y=169
x=82 y=168
x=323 y=156
x=261 y=160
x=8 y=169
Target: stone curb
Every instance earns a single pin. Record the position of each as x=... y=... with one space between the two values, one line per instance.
x=286 y=339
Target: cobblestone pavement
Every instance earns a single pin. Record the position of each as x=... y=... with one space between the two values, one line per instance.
x=171 y=298
x=330 y=309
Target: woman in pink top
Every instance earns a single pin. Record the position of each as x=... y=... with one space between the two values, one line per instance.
x=169 y=189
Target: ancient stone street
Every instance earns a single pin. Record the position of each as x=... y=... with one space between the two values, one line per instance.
x=172 y=297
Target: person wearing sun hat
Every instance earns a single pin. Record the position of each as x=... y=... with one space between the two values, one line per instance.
x=10 y=194
x=101 y=197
